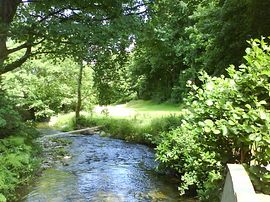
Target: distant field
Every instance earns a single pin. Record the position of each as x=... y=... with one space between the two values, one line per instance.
x=138 y=108
x=140 y=113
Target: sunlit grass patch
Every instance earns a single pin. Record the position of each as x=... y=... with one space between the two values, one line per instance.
x=63 y=122
x=138 y=109
x=150 y=106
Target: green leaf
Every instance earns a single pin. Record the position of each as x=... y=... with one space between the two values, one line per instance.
x=224 y=130
x=209 y=122
x=248 y=106
x=253 y=136
x=263 y=102
x=207 y=129
x=209 y=102
x=216 y=131
x=230 y=122
x=263 y=115
x=266 y=176
x=258 y=138
x=268 y=152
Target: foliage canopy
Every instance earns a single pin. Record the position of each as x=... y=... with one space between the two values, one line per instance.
x=61 y=28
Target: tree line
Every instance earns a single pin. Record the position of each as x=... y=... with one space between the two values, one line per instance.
x=174 y=40
x=181 y=38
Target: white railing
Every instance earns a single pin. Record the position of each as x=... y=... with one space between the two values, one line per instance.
x=238 y=187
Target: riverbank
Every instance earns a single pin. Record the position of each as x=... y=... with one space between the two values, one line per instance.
x=137 y=121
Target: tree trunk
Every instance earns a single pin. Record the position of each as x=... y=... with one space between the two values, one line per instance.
x=8 y=10
x=79 y=95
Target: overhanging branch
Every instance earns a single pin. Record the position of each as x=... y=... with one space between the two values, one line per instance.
x=17 y=63
x=24 y=45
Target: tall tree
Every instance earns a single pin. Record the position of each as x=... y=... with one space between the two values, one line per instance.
x=158 y=60
x=220 y=29
x=61 y=27
x=79 y=93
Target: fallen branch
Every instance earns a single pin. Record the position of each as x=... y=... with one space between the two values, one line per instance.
x=84 y=130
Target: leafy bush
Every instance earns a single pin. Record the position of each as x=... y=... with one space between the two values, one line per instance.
x=226 y=120
x=17 y=163
x=9 y=118
x=17 y=160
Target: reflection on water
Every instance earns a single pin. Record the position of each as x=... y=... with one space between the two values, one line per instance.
x=104 y=169
x=55 y=185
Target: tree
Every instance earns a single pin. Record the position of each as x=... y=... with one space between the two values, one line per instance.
x=184 y=37
x=62 y=28
x=219 y=32
x=44 y=87
x=112 y=79
x=79 y=93
x=158 y=61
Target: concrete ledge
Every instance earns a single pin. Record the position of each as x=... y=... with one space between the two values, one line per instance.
x=238 y=187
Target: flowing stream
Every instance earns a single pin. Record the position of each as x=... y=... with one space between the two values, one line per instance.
x=104 y=169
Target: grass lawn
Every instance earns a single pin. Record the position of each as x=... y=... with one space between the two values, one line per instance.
x=138 y=109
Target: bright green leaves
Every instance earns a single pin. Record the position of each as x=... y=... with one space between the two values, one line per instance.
x=209 y=122
x=224 y=130
x=263 y=115
x=158 y=66
x=209 y=102
x=46 y=88
x=209 y=126
x=16 y=164
x=78 y=29
x=222 y=119
x=255 y=137
x=9 y=118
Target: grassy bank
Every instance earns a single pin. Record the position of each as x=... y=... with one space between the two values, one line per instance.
x=17 y=162
x=136 y=121
x=133 y=130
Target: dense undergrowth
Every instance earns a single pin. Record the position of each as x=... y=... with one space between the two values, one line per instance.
x=17 y=151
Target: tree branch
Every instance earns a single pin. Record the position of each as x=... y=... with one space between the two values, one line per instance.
x=17 y=63
x=25 y=45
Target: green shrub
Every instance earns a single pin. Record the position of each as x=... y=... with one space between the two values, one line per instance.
x=127 y=129
x=17 y=164
x=9 y=118
x=17 y=161
x=157 y=126
x=226 y=120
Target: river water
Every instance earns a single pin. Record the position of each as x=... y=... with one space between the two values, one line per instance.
x=104 y=169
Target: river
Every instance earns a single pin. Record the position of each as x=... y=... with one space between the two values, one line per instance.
x=104 y=169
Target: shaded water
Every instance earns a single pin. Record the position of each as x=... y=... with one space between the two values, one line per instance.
x=104 y=169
